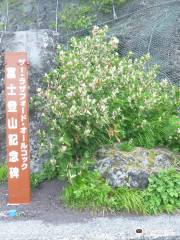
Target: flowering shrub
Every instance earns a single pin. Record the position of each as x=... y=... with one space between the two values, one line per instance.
x=76 y=17
x=94 y=97
x=105 y=6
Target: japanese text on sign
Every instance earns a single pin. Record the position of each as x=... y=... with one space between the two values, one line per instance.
x=16 y=79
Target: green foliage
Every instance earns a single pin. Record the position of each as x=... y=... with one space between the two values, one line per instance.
x=3 y=173
x=163 y=192
x=127 y=146
x=89 y=190
x=76 y=17
x=13 y=2
x=52 y=26
x=77 y=168
x=171 y=131
x=95 y=97
x=37 y=179
x=2 y=25
x=49 y=172
x=106 y=6
x=129 y=200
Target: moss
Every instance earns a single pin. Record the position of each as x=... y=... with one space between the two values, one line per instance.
x=151 y=158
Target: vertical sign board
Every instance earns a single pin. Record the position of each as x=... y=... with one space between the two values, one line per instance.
x=17 y=127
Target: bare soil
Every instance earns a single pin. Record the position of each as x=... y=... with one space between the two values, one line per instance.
x=45 y=205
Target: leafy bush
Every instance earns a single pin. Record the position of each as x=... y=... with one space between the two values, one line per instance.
x=76 y=17
x=3 y=173
x=95 y=97
x=163 y=192
x=90 y=191
x=106 y=5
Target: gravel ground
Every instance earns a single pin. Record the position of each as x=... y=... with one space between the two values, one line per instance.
x=46 y=219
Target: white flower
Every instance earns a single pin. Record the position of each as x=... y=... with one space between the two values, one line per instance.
x=87 y=132
x=164 y=82
x=95 y=30
x=70 y=94
x=114 y=42
x=141 y=108
x=144 y=122
x=61 y=140
x=38 y=90
x=129 y=99
x=53 y=161
x=63 y=76
x=63 y=148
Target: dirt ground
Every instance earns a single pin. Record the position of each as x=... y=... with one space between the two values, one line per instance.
x=45 y=205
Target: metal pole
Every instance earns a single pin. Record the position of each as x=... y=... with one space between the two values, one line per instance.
x=57 y=7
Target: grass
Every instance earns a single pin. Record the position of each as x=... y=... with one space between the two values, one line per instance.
x=3 y=173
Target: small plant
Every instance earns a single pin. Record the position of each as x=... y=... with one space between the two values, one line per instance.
x=3 y=173
x=37 y=179
x=76 y=17
x=127 y=146
x=129 y=200
x=2 y=26
x=106 y=6
x=52 y=26
x=49 y=172
x=172 y=132
x=88 y=191
x=163 y=192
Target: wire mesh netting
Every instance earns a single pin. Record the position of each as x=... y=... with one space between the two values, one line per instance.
x=154 y=30
x=148 y=27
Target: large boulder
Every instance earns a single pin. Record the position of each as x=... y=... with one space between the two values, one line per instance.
x=132 y=169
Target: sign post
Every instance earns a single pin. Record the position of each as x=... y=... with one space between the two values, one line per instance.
x=17 y=128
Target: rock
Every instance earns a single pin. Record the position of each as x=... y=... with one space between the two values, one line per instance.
x=132 y=169
x=40 y=46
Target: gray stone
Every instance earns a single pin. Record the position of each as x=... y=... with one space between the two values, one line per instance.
x=132 y=169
